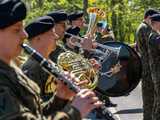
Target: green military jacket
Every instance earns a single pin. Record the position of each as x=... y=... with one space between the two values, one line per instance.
x=34 y=71
x=142 y=36
x=54 y=54
x=20 y=98
x=47 y=85
x=154 y=55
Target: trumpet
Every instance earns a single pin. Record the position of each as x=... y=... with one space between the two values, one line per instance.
x=105 y=49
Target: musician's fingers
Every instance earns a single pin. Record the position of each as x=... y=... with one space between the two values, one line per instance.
x=94 y=45
x=83 y=91
x=93 y=99
x=96 y=104
x=89 y=94
x=81 y=83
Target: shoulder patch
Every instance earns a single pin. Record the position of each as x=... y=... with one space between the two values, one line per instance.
x=50 y=86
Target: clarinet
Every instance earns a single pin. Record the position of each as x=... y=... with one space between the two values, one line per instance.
x=53 y=69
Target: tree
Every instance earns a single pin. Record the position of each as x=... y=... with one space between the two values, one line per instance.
x=123 y=16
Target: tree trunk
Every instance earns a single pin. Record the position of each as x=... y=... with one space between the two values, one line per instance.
x=40 y=3
x=114 y=19
x=120 y=26
x=85 y=6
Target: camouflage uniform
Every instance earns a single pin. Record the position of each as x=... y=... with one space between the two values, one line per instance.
x=46 y=83
x=54 y=55
x=154 y=55
x=142 y=36
x=20 y=100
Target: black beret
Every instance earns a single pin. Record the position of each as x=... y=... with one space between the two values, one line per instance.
x=58 y=16
x=71 y=30
x=75 y=15
x=39 y=26
x=155 y=17
x=150 y=12
x=11 y=11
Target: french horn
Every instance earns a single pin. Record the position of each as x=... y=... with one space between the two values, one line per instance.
x=80 y=67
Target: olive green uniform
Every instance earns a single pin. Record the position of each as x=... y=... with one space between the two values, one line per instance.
x=154 y=55
x=142 y=35
x=46 y=83
x=20 y=99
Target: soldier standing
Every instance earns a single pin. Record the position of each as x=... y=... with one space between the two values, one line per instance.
x=142 y=35
x=154 y=55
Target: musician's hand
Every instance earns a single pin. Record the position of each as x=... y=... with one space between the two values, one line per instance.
x=95 y=63
x=94 y=45
x=85 y=101
x=87 y=43
x=63 y=90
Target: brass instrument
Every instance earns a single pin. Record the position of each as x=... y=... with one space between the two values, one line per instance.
x=107 y=50
x=95 y=14
x=80 y=67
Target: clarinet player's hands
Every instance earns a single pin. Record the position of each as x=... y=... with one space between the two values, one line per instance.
x=85 y=101
x=63 y=90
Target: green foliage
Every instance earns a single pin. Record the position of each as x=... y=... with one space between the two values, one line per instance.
x=123 y=16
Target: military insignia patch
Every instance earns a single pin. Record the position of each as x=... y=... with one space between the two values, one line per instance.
x=50 y=86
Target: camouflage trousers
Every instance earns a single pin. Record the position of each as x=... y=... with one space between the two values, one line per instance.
x=147 y=96
x=156 y=106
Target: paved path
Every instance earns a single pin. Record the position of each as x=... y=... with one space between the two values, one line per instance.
x=130 y=107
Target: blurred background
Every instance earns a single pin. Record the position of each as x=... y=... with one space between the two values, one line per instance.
x=123 y=16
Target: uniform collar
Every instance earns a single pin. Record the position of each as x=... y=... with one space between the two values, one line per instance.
x=5 y=66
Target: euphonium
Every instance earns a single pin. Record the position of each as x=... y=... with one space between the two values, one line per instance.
x=80 y=67
x=95 y=14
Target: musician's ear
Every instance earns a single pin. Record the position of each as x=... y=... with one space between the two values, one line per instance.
x=38 y=38
x=34 y=40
